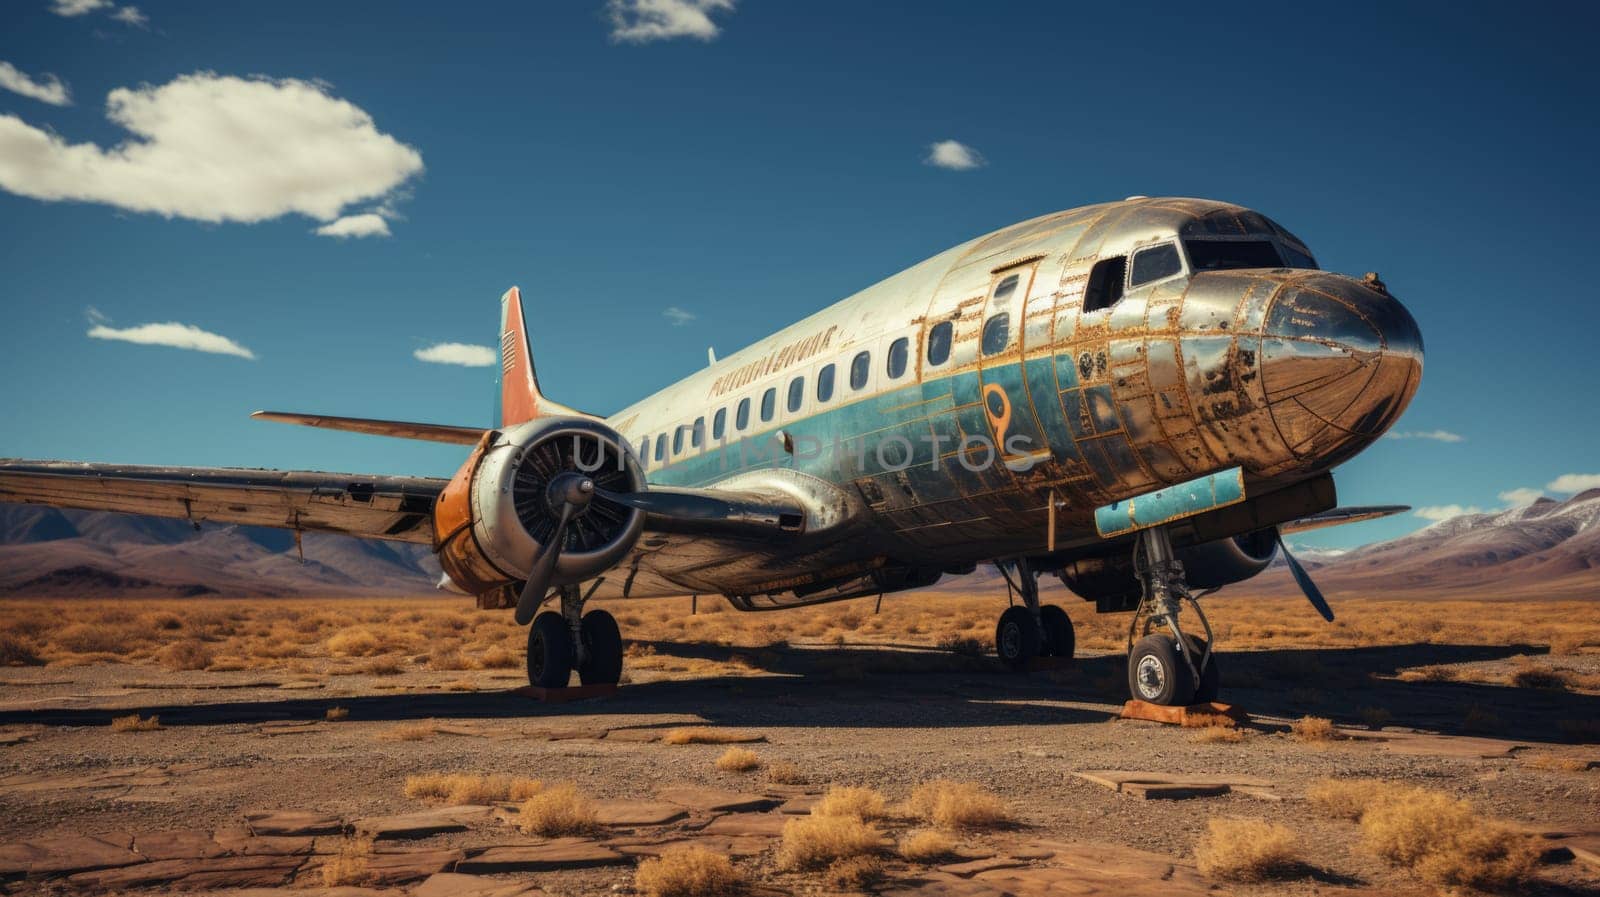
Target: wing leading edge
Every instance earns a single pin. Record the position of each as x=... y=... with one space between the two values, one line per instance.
x=374 y=507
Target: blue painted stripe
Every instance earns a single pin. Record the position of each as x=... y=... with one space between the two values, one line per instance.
x=1196 y=496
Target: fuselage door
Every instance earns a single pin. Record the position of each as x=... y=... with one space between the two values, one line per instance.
x=1012 y=424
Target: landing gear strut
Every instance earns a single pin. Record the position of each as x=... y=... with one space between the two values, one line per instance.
x=1030 y=629
x=1172 y=667
x=559 y=643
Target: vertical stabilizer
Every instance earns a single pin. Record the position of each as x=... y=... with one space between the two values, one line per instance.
x=520 y=398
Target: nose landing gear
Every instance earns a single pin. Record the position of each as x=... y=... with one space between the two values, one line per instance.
x=559 y=643
x=1031 y=630
x=1172 y=668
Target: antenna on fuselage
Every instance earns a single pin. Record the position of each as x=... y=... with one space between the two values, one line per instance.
x=711 y=356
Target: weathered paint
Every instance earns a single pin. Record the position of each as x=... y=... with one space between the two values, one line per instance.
x=1201 y=494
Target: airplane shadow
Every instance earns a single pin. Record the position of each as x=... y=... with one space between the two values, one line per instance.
x=902 y=687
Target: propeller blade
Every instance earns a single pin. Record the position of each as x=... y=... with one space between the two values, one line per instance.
x=1303 y=580
x=544 y=566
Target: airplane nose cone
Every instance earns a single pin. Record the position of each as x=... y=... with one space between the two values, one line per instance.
x=1340 y=360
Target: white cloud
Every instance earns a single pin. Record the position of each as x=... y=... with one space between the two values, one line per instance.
x=130 y=15
x=642 y=21
x=1574 y=482
x=70 y=8
x=954 y=155
x=1516 y=498
x=367 y=224
x=677 y=316
x=178 y=336
x=1445 y=512
x=464 y=354
x=216 y=148
x=48 y=89
x=1435 y=435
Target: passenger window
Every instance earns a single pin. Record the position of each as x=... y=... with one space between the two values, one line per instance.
x=898 y=350
x=1155 y=263
x=719 y=423
x=797 y=393
x=939 y=343
x=698 y=434
x=677 y=440
x=741 y=418
x=825 y=383
x=1005 y=288
x=769 y=404
x=661 y=446
x=996 y=333
x=1105 y=283
x=860 y=367
x=644 y=449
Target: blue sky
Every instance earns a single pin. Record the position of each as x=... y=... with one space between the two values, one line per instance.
x=746 y=164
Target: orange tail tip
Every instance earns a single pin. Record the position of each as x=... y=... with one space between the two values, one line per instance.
x=520 y=398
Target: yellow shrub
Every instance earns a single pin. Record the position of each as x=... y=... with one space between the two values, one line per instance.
x=559 y=810
x=1246 y=850
x=135 y=723
x=927 y=847
x=847 y=800
x=190 y=654
x=464 y=788
x=1312 y=729
x=738 y=760
x=350 y=866
x=688 y=872
x=812 y=842
x=356 y=641
x=1446 y=842
x=950 y=804
x=703 y=735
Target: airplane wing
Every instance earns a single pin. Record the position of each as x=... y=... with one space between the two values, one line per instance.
x=1340 y=516
x=400 y=429
x=373 y=507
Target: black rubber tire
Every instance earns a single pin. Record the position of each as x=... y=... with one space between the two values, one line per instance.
x=1157 y=673
x=549 y=651
x=1059 y=638
x=602 y=648
x=1017 y=638
x=1210 y=678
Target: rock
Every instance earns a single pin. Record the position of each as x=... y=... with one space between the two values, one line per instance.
x=292 y=823
x=761 y=825
x=637 y=812
x=422 y=824
x=727 y=845
x=799 y=806
x=401 y=866
x=177 y=845
x=973 y=867
x=67 y=853
x=454 y=884
x=557 y=853
x=942 y=884
x=715 y=800
x=242 y=842
x=1175 y=786
x=195 y=874
x=639 y=736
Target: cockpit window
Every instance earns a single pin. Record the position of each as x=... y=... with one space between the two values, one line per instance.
x=1105 y=283
x=1222 y=255
x=1297 y=259
x=1155 y=263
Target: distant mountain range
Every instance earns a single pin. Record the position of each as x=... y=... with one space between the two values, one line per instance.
x=1549 y=548
x=69 y=553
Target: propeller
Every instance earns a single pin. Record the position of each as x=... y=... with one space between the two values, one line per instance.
x=1303 y=580
x=571 y=493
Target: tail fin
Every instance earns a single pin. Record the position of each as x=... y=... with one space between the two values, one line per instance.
x=520 y=398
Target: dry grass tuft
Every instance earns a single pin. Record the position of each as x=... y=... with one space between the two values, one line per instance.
x=956 y=805
x=1536 y=677
x=356 y=641
x=350 y=866
x=499 y=658
x=335 y=714
x=1208 y=721
x=812 y=842
x=17 y=652
x=464 y=788
x=1446 y=842
x=1313 y=729
x=1217 y=735
x=927 y=847
x=782 y=772
x=1247 y=850
x=853 y=873
x=1557 y=763
x=848 y=800
x=418 y=730
x=704 y=735
x=384 y=666
x=1349 y=798
x=190 y=654
x=451 y=660
x=558 y=810
x=1566 y=643
x=135 y=723
x=689 y=871
x=738 y=759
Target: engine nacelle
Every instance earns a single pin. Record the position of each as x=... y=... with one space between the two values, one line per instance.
x=1110 y=582
x=496 y=515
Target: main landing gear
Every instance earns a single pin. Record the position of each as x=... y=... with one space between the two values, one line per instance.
x=1170 y=667
x=1031 y=630
x=559 y=643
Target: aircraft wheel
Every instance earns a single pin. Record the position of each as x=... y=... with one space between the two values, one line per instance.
x=602 y=648
x=1017 y=638
x=1158 y=674
x=1059 y=638
x=1210 y=678
x=549 y=651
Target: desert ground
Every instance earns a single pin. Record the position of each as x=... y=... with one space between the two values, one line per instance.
x=379 y=746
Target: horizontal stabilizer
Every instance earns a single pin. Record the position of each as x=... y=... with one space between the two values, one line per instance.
x=1338 y=516
x=399 y=429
